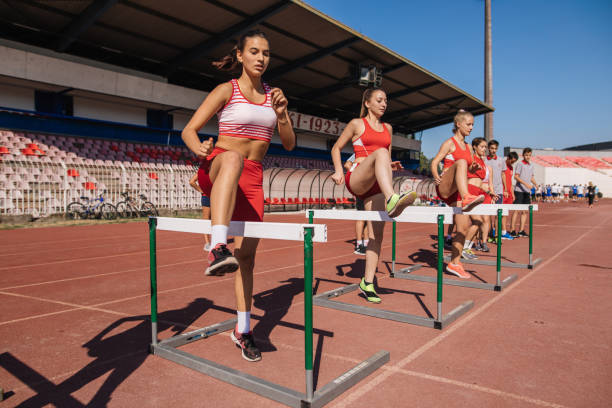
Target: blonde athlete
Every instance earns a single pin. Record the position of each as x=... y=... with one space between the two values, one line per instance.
x=370 y=177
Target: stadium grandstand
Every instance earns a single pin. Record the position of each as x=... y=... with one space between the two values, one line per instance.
x=573 y=165
x=94 y=95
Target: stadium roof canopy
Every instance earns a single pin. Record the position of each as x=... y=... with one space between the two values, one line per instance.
x=315 y=58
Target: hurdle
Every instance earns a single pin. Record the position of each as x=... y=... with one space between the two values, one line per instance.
x=433 y=215
x=406 y=273
x=169 y=348
x=510 y=207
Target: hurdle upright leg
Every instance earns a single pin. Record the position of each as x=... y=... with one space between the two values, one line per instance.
x=153 y=270
x=440 y=278
x=393 y=249
x=531 y=237
x=308 y=311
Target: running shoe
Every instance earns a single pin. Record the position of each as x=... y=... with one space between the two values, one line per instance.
x=507 y=236
x=397 y=202
x=360 y=250
x=457 y=269
x=523 y=234
x=485 y=247
x=514 y=234
x=468 y=254
x=369 y=291
x=470 y=201
x=491 y=240
x=478 y=246
x=246 y=343
x=207 y=247
x=220 y=261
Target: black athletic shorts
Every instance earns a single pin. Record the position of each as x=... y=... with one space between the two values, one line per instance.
x=359 y=204
x=521 y=197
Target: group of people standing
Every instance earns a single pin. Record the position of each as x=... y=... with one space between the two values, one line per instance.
x=555 y=193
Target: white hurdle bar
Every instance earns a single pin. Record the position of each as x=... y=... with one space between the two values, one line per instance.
x=437 y=215
x=169 y=348
x=505 y=208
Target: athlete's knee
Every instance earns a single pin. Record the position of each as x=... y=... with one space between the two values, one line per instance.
x=382 y=153
x=461 y=163
x=245 y=258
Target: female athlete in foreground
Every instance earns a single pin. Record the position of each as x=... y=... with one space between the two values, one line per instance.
x=370 y=178
x=231 y=173
x=452 y=185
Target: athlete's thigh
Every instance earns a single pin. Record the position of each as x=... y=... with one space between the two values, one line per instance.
x=447 y=184
x=363 y=176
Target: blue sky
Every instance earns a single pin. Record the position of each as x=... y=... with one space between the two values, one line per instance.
x=552 y=61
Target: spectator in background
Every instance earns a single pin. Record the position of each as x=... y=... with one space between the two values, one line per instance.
x=524 y=176
x=591 y=193
x=205 y=207
x=497 y=165
x=361 y=227
x=508 y=191
x=580 y=190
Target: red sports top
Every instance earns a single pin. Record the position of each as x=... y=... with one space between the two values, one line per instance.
x=482 y=173
x=508 y=175
x=371 y=140
x=459 y=153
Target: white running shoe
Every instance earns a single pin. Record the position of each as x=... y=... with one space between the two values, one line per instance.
x=207 y=247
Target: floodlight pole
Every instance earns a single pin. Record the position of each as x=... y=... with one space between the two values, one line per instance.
x=488 y=85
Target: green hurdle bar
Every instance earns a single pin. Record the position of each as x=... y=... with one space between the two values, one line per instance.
x=169 y=348
x=439 y=215
x=510 y=207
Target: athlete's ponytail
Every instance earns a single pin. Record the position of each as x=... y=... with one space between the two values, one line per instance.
x=367 y=94
x=230 y=61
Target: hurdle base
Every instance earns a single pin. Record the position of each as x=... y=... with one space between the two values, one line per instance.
x=534 y=264
x=494 y=263
x=168 y=349
x=324 y=300
x=405 y=274
x=409 y=269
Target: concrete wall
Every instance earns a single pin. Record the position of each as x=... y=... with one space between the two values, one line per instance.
x=52 y=68
x=568 y=176
x=563 y=153
x=103 y=110
x=16 y=97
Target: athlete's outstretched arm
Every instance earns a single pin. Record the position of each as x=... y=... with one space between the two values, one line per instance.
x=285 y=129
x=211 y=105
x=347 y=134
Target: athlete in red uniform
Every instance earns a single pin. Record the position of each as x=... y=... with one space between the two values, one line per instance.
x=452 y=185
x=479 y=182
x=370 y=177
x=231 y=173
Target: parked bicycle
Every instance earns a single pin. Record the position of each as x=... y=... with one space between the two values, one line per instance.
x=131 y=207
x=87 y=208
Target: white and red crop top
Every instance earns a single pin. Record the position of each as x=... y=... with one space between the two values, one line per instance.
x=243 y=118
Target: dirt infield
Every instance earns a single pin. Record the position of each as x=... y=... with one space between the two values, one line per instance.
x=74 y=328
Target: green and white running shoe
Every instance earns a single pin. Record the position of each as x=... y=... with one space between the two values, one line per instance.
x=368 y=291
x=397 y=202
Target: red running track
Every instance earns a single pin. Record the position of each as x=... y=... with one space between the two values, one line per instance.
x=75 y=302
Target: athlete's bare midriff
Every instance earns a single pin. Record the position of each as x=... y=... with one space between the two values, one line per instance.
x=250 y=149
